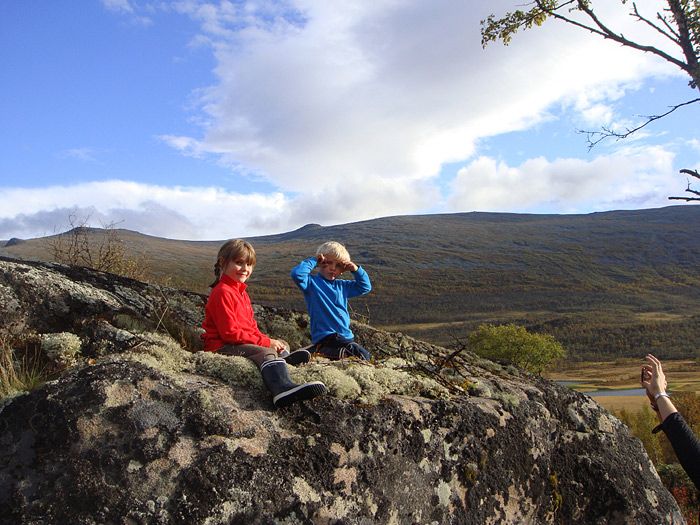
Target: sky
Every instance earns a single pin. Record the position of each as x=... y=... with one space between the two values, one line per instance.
x=202 y=120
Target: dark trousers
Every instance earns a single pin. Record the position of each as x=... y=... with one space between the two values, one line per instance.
x=335 y=347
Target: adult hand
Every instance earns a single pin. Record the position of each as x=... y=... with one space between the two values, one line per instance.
x=653 y=378
x=654 y=381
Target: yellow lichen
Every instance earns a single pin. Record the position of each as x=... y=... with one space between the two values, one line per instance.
x=367 y=383
x=63 y=347
x=339 y=384
x=233 y=370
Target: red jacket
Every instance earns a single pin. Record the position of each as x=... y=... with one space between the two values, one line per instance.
x=228 y=317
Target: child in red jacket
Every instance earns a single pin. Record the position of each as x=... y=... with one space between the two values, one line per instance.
x=230 y=327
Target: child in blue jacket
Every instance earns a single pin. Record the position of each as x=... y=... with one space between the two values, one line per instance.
x=326 y=299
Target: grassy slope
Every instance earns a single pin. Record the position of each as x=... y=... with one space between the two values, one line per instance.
x=614 y=283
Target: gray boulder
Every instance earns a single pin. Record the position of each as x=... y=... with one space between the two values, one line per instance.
x=140 y=428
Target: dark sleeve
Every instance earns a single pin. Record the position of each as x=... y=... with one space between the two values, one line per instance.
x=684 y=443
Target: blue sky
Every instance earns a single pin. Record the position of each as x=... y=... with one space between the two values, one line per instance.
x=210 y=120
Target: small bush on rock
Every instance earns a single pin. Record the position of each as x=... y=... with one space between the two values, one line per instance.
x=513 y=344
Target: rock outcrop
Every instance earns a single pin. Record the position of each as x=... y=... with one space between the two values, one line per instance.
x=13 y=242
x=140 y=429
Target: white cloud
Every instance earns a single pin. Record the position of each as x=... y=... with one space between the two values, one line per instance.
x=630 y=178
x=129 y=8
x=119 y=6
x=83 y=154
x=311 y=93
x=196 y=212
x=351 y=109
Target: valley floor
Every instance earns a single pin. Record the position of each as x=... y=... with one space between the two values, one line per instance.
x=623 y=374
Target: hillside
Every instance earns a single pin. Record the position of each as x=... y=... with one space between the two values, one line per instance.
x=605 y=284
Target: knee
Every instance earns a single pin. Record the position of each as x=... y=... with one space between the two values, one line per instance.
x=269 y=356
x=359 y=351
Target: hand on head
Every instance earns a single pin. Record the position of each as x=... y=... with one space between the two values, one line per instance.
x=341 y=265
x=349 y=266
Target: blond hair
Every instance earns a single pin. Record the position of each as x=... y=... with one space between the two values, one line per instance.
x=233 y=250
x=335 y=249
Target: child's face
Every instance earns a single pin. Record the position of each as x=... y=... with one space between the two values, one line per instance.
x=330 y=267
x=239 y=270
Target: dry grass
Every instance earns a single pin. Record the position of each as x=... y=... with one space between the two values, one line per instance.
x=615 y=404
x=19 y=374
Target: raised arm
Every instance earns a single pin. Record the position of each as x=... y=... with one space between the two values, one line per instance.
x=361 y=284
x=302 y=272
x=684 y=443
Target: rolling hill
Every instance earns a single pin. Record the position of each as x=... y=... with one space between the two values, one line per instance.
x=618 y=283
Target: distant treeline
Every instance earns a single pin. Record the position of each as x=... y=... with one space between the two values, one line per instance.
x=588 y=338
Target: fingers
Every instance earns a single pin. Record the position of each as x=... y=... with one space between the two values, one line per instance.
x=653 y=378
x=653 y=361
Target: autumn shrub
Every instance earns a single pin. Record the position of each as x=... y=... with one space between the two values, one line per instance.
x=681 y=487
x=513 y=344
x=101 y=250
x=641 y=423
x=660 y=451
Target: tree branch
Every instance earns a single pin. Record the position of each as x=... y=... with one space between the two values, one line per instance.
x=605 y=32
x=692 y=173
x=686 y=42
x=629 y=43
x=606 y=132
x=686 y=199
x=673 y=38
x=670 y=28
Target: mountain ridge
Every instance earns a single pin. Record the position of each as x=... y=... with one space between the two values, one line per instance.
x=606 y=283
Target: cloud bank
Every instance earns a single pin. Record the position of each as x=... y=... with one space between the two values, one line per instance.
x=350 y=110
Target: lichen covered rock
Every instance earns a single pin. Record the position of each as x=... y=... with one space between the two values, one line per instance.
x=141 y=430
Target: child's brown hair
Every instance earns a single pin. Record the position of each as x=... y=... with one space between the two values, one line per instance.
x=233 y=250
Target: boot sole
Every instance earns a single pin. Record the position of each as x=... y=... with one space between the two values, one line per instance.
x=299 y=393
x=298 y=357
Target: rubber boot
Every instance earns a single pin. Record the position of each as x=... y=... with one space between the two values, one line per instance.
x=298 y=357
x=284 y=391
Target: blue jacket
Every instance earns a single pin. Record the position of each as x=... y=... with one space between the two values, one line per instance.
x=327 y=301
